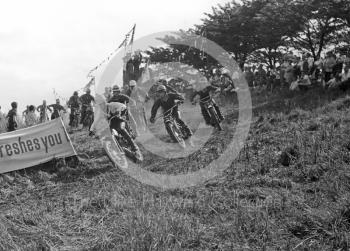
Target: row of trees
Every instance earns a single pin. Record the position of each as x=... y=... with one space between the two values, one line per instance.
x=261 y=31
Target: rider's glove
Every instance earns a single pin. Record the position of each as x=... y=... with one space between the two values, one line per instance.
x=152 y=120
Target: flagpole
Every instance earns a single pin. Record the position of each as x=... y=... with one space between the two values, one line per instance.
x=132 y=37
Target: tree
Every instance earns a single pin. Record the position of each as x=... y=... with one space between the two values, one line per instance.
x=322 y=26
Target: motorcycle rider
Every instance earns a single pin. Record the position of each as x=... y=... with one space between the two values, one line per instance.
x=74 y=105
x=117 y=96
x=118 y=114
x=205 y=95
x=86 y=101
x=167 y=101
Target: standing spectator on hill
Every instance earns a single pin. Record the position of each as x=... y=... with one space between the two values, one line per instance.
x=298 y=65
x=339 y=78
x=24 y=113
x=125 y=73
x=338 y=67
x=12 y=122
x=345 y=78
x=137 y=59
x=31 y=118
x=329 y=63
x=277 y=77
x=57 y=109
x=130 y=71
x=260 y=76
x=2 y=122
x=42 y=109
x=249 y=76
x=282 y=72
x=289 y=72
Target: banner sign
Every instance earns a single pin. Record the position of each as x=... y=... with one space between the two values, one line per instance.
x=34 y=145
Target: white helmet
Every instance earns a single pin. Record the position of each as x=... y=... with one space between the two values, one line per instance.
x=132 y=83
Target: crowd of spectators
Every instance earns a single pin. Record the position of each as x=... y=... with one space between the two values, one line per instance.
x=30 y=116
x=295 y=72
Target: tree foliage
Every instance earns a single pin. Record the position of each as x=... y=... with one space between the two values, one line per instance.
x=260 y=31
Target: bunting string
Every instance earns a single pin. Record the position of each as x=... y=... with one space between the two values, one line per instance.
x=124 y=43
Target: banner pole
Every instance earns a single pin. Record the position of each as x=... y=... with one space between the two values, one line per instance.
x=67 y=136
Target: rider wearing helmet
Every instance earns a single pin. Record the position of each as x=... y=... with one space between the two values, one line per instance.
x=119 y=123
x=74 y=105
x=153 y=90
x=117 y=96
x=86 y=100
x=117 y=113
x=204 y=95
x=168 y=101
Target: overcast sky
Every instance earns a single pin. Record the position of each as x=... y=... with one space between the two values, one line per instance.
x=53 y=44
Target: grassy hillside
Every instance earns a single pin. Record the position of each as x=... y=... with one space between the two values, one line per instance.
x=290 y=192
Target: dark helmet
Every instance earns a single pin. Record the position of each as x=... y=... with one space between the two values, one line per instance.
x=161 y=81
x=161 y=88
x=75 y=93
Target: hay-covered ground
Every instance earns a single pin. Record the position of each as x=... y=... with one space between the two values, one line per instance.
x=288 y=190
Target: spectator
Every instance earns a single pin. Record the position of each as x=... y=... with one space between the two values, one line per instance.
x=57 y=109
x=329 y=63
x=12 y=123
x=31 y=118
x=289 y=72
x=249 y=76
x=277 y=77
x=42 y=109
x=24 y=113
x=345 y=77
x=136 y=61
x=2 y=122
x=261 y=76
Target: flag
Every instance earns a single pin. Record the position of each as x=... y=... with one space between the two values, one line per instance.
x=124 y=43
x=91 y=83
x=132 y=34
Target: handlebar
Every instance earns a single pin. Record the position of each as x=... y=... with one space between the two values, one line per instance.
x=168 y=111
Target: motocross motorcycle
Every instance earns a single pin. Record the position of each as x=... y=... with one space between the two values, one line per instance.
x=175 y=131
x=122 y=143
x=208 y=104
x=89 y=117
